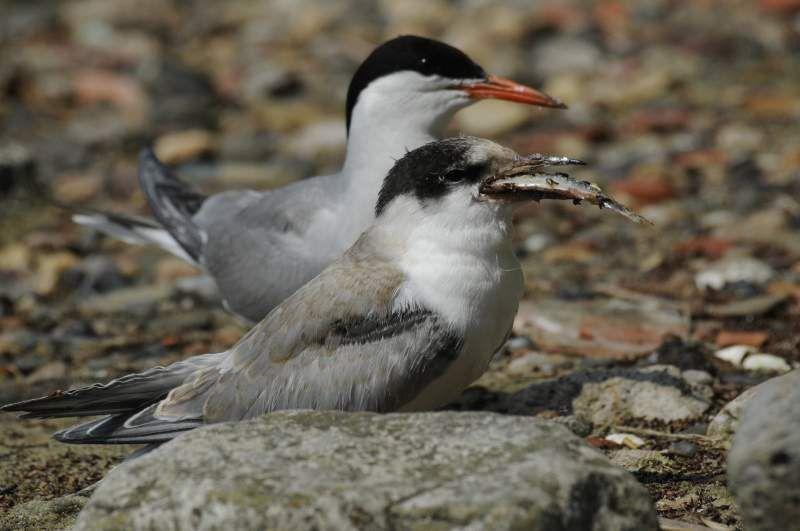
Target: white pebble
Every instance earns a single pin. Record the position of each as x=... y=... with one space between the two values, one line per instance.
x=747 y=358
x=733 y=269
x=626 y=439
x=765 y=362
x=734 y=354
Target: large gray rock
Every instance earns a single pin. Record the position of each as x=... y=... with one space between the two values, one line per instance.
x=324 y=470
x=764 y=461
x=725 y=423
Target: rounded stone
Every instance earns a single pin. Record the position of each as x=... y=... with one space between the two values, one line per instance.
x=327 y=470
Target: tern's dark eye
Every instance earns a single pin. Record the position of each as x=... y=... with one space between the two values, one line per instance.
x=469 y=173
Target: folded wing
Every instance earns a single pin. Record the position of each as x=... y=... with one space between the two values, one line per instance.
x=337 y=343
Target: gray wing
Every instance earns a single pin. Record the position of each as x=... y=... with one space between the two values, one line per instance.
x=257 y=247
x=319 y=351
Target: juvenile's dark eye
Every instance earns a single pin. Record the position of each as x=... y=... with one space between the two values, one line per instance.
x=466 y=174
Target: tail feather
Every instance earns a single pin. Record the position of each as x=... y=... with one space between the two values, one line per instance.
x=132 y=229
x=173 y=203
x=126 y=394
x=128 y=402
x=139 y=428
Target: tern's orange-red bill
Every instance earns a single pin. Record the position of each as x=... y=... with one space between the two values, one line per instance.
x=500 y=88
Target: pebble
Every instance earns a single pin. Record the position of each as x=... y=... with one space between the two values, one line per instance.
x=733 y=269
x=182 y=146
x=247 y=145
x=492 y=118
x=519 y=343
x=170 y=269
x=100 y=274
x=17 y=167
x=537 y=242
x=734 y=354
x=138 y=300
x=76 y=188
x=626 y=439
x=181 y=97
x=746 y=357
x=565 y=54
x=201 y=286
x=51 y=271
x=749 y=306
x=696 y=377
x=683 y=448
x=52 y=370
x=765 y=362
x=319 y=138
x=643 y=461
x=15 y=257
x=754 y=338
x=266 y=80
x=276 y=173
x=738 y=138
x=535 y=363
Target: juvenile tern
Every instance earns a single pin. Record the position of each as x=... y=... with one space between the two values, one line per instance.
x=404 y=320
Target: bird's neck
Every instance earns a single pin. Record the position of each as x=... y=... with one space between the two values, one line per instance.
x=373 y=146
x=461 y=266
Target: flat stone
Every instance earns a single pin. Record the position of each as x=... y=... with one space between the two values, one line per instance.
x=663 y=396
x=606 y=328
x=752 y=306
x=329 y=470
x=648 y=462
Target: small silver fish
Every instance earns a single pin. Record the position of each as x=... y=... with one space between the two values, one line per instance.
x=527 y=178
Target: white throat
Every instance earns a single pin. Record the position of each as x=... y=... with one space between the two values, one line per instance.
x=458 y=261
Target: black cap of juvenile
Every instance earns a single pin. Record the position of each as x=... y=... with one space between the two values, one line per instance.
x=430 y=171
x=409 y=52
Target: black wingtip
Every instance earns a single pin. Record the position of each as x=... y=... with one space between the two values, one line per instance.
x=148 y=153
x=149 y=160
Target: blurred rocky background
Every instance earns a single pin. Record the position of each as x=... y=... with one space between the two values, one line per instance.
x=635 y=338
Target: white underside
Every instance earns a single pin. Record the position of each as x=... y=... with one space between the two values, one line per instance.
x=460 y=264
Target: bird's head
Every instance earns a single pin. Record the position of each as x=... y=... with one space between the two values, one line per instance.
x=463 y=175
x=423 y=81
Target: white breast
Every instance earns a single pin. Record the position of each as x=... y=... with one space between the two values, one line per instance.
x=467 y=273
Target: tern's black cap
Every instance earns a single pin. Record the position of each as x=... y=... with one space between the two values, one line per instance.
x=409 y=52
x=429 y=171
